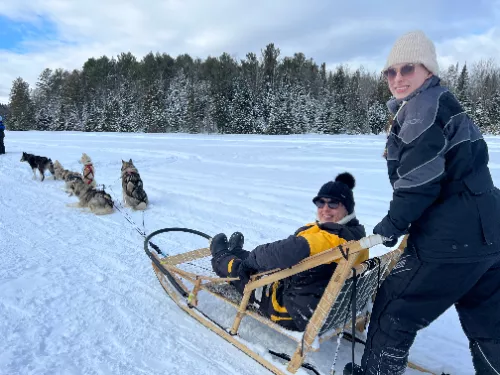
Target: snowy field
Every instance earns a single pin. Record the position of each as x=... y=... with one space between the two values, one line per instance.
x=77 y=292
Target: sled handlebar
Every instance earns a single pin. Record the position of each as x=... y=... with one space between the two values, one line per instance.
x=372 y=240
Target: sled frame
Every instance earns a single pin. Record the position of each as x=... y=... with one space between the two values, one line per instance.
x=346 y=255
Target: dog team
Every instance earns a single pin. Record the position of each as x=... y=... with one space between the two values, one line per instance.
x=84 y=187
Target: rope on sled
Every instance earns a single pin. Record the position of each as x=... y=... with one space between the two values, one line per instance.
x=121 y=209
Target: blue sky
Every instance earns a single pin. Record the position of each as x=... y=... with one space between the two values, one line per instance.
x=36 y=34
x=16 y=35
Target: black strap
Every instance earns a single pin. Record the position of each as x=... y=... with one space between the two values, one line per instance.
x=345 y=254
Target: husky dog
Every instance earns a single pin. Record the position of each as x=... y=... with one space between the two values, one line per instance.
x=69 y=177
x=132 y=188
x=38 y=162
x=88 y=170
x=58 y=170
x=99 y=202
x=66 y=175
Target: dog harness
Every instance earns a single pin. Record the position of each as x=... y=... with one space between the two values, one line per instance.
x=87 y=171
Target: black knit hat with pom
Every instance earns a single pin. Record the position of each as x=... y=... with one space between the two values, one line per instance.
x=339 y=190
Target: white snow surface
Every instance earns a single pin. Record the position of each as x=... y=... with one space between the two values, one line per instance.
x=78 y=294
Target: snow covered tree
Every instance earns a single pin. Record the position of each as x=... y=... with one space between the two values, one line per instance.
x=242 y=121
x=378 y=116
x=154 y=115
x=449 y=78
x=494 y=114
x=22 y=114
x=479 y=114
x=356 y=119
x=177 y=102
x=281 y=119
x=463 y=90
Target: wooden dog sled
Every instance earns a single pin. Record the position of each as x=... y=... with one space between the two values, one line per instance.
x=334 y=311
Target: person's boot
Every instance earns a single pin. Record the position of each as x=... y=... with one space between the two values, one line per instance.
x=236 y=242
x=219 y=245
x=353 y=369
x=220 y=255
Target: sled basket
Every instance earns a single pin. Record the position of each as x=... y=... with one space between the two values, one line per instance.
x=329 y=318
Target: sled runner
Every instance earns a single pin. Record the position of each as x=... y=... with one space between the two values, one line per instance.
x=334 y=313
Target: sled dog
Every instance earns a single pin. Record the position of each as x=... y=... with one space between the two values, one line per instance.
x=99 y=202
x=88 y=170
x=70 y=176
x=133 y=190
x=58 y=170
x=38 y=162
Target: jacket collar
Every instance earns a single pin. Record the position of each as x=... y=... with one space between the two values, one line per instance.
x=345 y=220
x=394 y=104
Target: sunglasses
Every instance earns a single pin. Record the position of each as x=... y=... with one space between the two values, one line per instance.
x=320 y=203
x=404 y=71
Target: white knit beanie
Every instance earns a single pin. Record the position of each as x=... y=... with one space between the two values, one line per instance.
x=414 y=47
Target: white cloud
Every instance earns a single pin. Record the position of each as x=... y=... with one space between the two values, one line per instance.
x=470 y=48
x=356 y=34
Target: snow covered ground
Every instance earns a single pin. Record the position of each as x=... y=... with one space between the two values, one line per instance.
x=78 y=294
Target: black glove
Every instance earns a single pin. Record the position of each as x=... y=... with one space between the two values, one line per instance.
x=243 y=270
x=387 y=229
x=390 y=242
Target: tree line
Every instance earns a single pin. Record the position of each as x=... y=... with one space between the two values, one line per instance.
x=263 y=94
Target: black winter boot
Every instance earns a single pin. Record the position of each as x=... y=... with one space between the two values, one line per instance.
x=219 y=245
x=220 y=255
x=353 y=369
x=236 y=242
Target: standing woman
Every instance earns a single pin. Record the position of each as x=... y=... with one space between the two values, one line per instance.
x=2 y=136
x=444 y=197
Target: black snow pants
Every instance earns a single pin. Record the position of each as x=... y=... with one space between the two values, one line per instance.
x=2 y=145
x=416 y=293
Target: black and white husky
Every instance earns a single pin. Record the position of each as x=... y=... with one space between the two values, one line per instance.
x=38 y=162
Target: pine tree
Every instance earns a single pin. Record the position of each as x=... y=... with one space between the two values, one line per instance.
x=479 y=114
x=242 y=105
x=22 y=114
x=177 y=102
x=449 y=79
x=463 y=90
x=154 y=115
x=302 y=112
x=281 y=119
x=494 y=113
x=382 y=92
x=4 y=111
x=377 y=117
x=357 y=119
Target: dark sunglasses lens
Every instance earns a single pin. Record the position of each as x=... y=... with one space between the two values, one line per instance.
x=407 y=69
x=321 y=203
x=390 y=73
x=333 y=205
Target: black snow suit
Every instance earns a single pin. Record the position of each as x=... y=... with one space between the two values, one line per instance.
x=291 y=302
x=445 y=198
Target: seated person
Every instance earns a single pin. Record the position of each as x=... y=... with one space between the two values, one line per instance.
x=291 y=302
